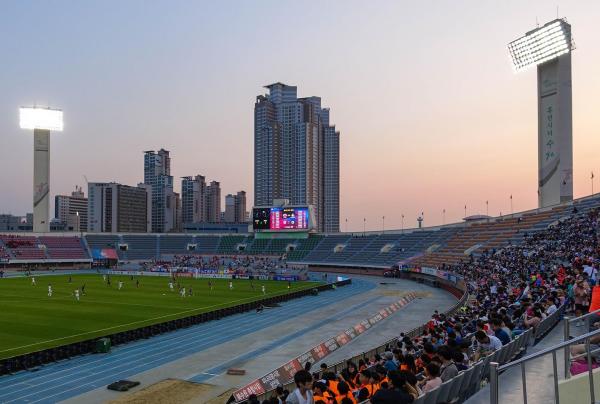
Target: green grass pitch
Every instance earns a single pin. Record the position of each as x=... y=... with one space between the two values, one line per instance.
x=31 y=321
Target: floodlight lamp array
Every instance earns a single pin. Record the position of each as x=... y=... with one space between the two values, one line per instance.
x=541 y=45
x=41 y=118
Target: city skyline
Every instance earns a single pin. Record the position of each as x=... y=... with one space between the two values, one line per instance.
x=418 y=134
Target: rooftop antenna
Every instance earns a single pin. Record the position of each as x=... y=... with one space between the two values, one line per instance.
x=537 y=24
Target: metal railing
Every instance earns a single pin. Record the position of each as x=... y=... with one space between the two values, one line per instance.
x=496 y=368
x=567 y=335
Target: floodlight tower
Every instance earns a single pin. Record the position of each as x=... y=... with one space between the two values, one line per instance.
x=549 y=48
x=42 y=121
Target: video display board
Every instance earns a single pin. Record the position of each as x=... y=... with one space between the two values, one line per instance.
x=275 y=219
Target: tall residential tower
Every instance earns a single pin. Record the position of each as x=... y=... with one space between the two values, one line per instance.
x=296 y=154
x=157 y=174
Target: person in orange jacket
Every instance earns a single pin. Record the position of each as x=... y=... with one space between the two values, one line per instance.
x=321 y=392
x=344 y=392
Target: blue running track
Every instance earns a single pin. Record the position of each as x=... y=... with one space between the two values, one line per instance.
x=70 y=378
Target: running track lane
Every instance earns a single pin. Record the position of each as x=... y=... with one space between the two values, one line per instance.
x=221 y=368
x=70 y=378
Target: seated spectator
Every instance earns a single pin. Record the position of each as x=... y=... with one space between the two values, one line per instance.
x=448 y=369
x=321 y=392
x=398 y=392
x=389 y=361
x=344 y=393
x=486 y=344
x=432 y=378
x=499 y=331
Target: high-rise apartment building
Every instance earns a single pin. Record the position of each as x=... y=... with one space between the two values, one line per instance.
x=296 y=154
x=72 y=210
x=240 y=207
x=115 y=207
x=235 y=208
x=157 y=174
x=229 y=214
x=213 y=202
x=193 y=199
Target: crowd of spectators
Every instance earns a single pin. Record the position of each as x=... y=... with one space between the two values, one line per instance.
x=512 y=289
x=233 y=265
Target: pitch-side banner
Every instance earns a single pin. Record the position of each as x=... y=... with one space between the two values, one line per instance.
x=285 y=373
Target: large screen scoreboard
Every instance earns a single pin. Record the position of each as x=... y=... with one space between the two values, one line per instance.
x=276 y=219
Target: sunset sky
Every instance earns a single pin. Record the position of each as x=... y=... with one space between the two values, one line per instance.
x=430 y=112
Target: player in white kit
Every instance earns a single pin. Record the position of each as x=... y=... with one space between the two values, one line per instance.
x=120 y=285
x=230 y=285
x=32 y=281
x=77 y=294
x=171 y=286
x=49 y=290
x=264 y=290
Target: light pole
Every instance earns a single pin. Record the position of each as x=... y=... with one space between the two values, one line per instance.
x=444 y=216
x=364 y=225
x=42 y=121
x=383 y=224
x=346 y=225
x=487 y=208
x=549 y=48
x=402 y=224
x=511 y=205
x=465 y=210
x=592 y=179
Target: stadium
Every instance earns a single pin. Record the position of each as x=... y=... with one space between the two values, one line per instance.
x=489 y=309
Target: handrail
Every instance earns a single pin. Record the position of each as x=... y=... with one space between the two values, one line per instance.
x=583 y=316
x=496 y=368
x=549 y=350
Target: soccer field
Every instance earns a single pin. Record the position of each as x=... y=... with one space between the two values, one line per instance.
x=31 y=321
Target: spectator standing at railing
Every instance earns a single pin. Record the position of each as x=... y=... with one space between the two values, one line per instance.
x=303 y=392
x=581 y=292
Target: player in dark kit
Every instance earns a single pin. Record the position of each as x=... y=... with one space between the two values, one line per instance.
x=137 y=283
x=210 y=285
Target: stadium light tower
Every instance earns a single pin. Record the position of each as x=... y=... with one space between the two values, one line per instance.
x=549 y=48
x=42 y=121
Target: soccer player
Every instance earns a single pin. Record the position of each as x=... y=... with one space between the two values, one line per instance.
x=77 y=294
x=171 y=286
x=33 y=281
x=264 y=290
x=137 y=283
x=104 y=277
x=182 y=292
x=49 y=290
x=289 y=285
x=120 y=285
x=83 y=289
x=230 y=285
x=70 y=279
x=190 y=292
x=210 y=284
